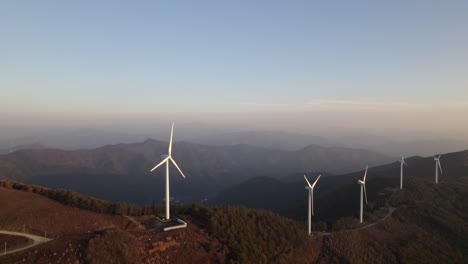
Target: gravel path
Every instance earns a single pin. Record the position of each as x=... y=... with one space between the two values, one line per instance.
x=37 y=240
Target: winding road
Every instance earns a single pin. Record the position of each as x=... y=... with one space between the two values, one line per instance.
x=390 y=212
x=37 y=240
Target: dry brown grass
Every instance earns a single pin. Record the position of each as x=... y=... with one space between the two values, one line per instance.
x=13 y=242
x=38 y=214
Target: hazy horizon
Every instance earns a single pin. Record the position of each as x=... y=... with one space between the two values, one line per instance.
x=391 y=70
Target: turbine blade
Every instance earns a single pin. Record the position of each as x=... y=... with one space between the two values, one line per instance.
x=177 y=166
x=170 y=141
x=313 y=185
x=365 y=174
x=308 y=183
x=365 y=193
x=440 y=167
x=161 y=163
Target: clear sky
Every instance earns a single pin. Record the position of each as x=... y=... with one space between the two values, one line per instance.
x=345 y=63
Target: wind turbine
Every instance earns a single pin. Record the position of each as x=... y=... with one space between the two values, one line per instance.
x=437 y=167
x=363 y=189
x=311 y=201
x=402 y=162
x=167 y=159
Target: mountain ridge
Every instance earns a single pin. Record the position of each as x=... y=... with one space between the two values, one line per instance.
x=288 y=196
x=125 y=167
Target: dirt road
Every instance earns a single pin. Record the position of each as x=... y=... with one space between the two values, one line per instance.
x=390 y=212
x=37 y=240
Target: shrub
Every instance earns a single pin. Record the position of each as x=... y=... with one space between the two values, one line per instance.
x=112 y=246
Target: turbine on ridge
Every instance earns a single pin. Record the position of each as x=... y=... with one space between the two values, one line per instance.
x=402 y=162
x=311 y=201
x=437 y=167
x=363 y=189
x=167 y=159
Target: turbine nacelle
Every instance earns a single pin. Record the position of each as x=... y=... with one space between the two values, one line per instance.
x=168 y=157
x=402 y=161
x=363 y=183
x=311 y=186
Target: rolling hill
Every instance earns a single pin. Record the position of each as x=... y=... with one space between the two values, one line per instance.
x=428 y=226
x=337 y=195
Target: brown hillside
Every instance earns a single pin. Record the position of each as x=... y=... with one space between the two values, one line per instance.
x=38 y=214
x=75 y=228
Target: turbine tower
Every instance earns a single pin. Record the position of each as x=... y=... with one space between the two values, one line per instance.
x=363 y=189
x=437 y=167
x=402 y=162
x=167 y=159
x=311 y=201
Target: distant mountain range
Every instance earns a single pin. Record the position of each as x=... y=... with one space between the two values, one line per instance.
x=121 y=172
x=290 y=141
x=293 y=142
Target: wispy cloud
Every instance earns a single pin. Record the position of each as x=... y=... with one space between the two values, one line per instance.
x=350 y=105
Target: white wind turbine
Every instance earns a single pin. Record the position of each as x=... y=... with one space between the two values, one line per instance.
x=168 y=158
x=363 y=189
x=402 y=162
x=437 y=167
x=311 y=200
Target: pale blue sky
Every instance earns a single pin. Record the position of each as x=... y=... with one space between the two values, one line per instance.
x=92 y=57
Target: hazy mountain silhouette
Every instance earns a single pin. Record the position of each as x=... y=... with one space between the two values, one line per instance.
x=124 y=168
x=87 y=138
x=21 y=147
x=265 y=139
x=421 y=147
